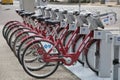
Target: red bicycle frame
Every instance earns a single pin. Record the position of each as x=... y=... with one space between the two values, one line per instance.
x=65 y=57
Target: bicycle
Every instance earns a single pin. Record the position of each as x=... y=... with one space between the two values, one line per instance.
x=14 y=25
x=49 y=37
x=56 y=53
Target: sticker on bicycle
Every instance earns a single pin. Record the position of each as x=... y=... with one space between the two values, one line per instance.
x=105 y=20
x=99 y=34
x=72 y=26
x=48 y=46
x=84 y=30
x=63 y=24
x=108 y=19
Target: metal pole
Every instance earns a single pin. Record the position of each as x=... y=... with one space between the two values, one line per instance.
x=38 y=2
x=102 y=1
x=118 y=2
x=21 y=2
x=92 y=1
x=79 y=6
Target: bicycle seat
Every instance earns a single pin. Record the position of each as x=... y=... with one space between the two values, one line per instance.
x=22 y=14
x=65 y=12
x=26 y=14
x=30 y=13
x=52 y=22
x=49 y=9
x=19 y=11
x=33 y=17
x=42 y=18
x=76 y=13
x=56 y=10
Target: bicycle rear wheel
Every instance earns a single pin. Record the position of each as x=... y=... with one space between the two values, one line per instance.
x=66 y=39
x=92 y=56
x=78 y=41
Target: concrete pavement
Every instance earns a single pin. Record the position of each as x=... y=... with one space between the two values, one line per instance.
x=10 y=69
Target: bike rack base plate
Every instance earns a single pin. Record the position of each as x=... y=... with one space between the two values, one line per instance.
x=84 y=73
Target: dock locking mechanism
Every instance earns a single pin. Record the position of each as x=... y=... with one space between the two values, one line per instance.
x=116 y=61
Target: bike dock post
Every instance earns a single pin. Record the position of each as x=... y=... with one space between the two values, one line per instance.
x=102 y=61
x=28 y=5
x=41 y=2
x=116 y=58
x=21 y=4
x=104 y=65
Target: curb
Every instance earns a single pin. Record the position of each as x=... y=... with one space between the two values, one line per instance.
x=113 y=5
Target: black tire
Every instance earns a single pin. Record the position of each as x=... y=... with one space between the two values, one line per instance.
x=78 y=41
x=60 y=32
x=10 y=30
x=23 y=43
x=18 y=38
x=23 y=46
x=44 y=67
x=8 y=25
x=5 y=30
x=66 y=39
x=13 y=36
x=94 y=45
x=28 y=33
x=68 y=35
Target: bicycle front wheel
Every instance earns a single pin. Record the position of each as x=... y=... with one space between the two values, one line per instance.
x=45 y=68
x=24 y=44
x=7 y=25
